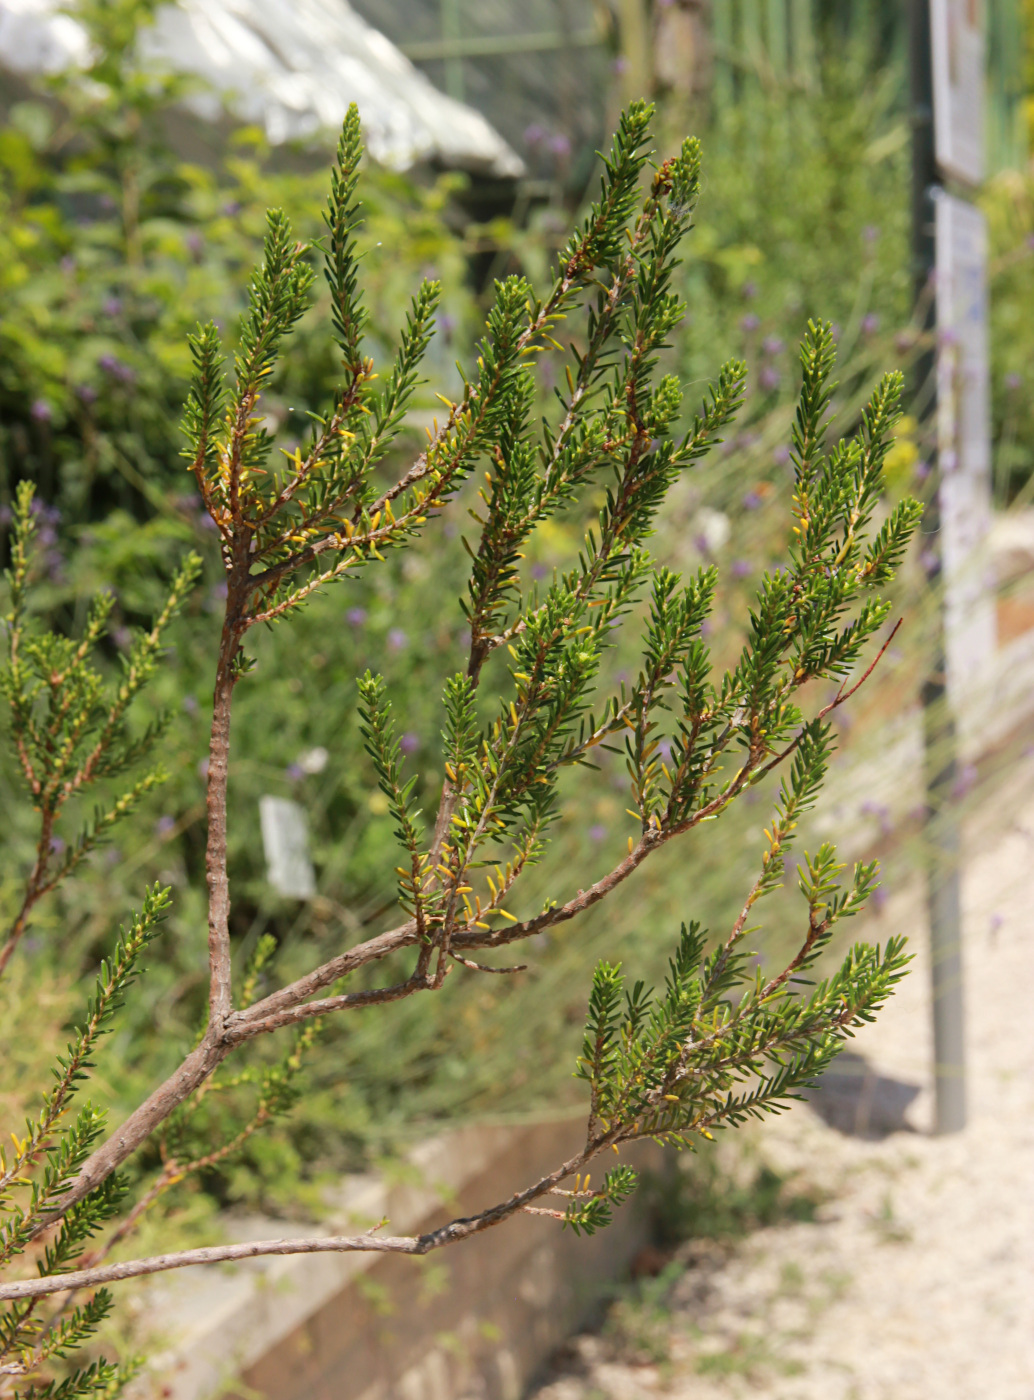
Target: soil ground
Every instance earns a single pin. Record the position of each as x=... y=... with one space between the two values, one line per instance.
x=915 y=1279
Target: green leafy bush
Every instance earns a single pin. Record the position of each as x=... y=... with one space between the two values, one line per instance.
x=723 y=1041
x=483 y=1049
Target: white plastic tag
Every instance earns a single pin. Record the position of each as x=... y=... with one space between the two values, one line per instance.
x=285 y=839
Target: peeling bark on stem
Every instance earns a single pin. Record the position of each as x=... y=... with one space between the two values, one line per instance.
x=220 y=994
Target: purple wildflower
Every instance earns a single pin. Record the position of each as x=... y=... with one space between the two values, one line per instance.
x=870 y=324
x=190 y=704
x=165 y=825
x=114 y=367
x=769 y=378
x=355 y=616
x=741 y=568
x=57 y=846
x=597 y=832
x=880 y=811
x=751 y=500
x=750 y=322
x=397 y=639
x=965 y=781
x=772 y=345
x=41 y=411
x=112 y=307
x=409 y=743
x=86 y=394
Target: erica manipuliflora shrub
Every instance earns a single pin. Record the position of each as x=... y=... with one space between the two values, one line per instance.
x=719 y=1042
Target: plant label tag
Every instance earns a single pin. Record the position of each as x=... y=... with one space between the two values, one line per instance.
x=285 y=839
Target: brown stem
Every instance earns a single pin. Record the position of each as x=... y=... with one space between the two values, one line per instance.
x=455 y=1230
x=815 y=930
x=34 y=890
x=238 y=1029
x=220 y=995
x=372 y=950
x=141 y=1123
x=584 y=899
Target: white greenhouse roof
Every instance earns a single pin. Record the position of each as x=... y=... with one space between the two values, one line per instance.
x=289 y=66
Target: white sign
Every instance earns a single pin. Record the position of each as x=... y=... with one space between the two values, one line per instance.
x=285 y=838
x=964 y=441
x=958 y=46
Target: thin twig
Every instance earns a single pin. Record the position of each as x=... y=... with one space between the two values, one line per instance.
x=458 y=1229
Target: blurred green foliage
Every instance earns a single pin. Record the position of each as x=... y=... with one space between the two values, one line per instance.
x=112 y=249
x=1008 y=202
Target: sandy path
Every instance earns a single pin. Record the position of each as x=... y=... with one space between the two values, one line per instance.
x=917 y=1280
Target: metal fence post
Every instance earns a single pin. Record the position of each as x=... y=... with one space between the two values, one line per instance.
x=942 y=836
